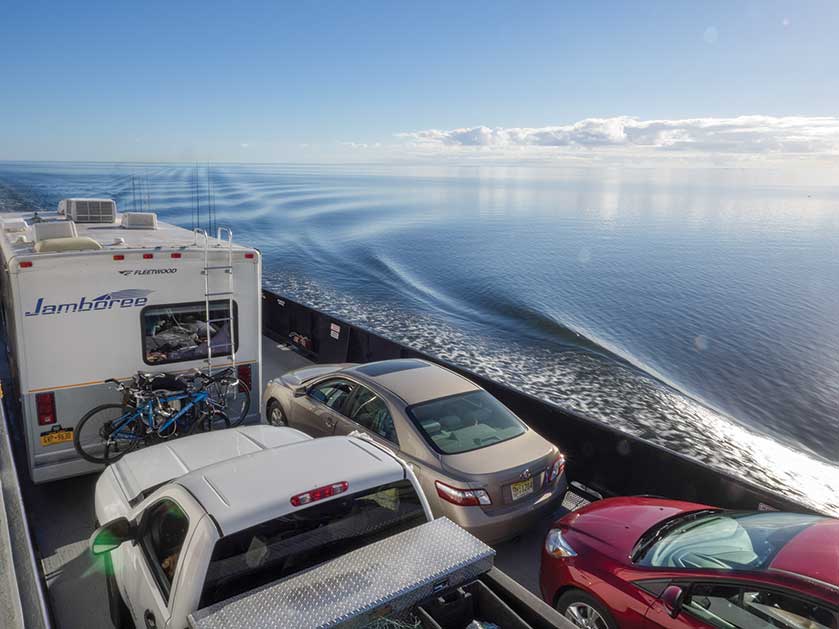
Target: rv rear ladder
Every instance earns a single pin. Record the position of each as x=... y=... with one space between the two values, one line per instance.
x=224 y=239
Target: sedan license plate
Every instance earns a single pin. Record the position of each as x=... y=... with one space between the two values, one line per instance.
x=52 y=437
x=521 y=489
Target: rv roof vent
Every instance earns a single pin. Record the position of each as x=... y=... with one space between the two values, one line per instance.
x=139 y=220
x=54 y=229
x=89 y=210
x=61 y=245
x=14 y=225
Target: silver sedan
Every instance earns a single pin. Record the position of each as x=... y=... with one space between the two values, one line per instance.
x=479 y=464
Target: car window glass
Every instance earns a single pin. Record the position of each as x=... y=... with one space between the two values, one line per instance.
x=370 y=411
x=333 y=393
x=178 y=332
x=732 y=607
x=718 y=606
x=724 y=540
x=460 y=423
x=164 y=530
x=299 y=540
x=782 y=610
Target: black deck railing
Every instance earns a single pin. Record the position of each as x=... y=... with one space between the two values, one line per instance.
x=599 y=456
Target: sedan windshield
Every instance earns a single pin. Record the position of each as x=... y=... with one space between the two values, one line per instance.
x=465 y=422
x=721 y=540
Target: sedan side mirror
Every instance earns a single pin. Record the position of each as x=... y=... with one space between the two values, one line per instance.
x=673 y=597
x=111 y=536
x=299 y=391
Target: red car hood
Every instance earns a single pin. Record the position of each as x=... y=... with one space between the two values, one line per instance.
x=615 y=525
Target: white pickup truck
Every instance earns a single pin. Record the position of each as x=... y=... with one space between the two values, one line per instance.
x=209 y=518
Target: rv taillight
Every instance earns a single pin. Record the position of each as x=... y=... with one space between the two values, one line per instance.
x=176 y=255
x=25 y=264
x=119 y=256
x=243 y=373
x=250 y=256
x=148 y=256
x=327 y=491
x=45 y=405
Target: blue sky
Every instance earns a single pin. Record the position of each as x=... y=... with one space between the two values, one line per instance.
x=285 y=81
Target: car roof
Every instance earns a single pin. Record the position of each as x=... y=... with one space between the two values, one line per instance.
x=146 y=469
x=253 y=488
x=813 y=553
x=413 y=380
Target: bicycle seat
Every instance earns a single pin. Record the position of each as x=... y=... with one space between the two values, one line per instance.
x=166 y=381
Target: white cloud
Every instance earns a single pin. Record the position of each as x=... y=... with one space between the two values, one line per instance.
x=743 y=136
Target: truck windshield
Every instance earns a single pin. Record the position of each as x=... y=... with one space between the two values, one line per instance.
x=460 y=423
x=286 y=545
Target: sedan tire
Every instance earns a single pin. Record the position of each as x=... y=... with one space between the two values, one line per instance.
x=274 y=414
x=585 y=611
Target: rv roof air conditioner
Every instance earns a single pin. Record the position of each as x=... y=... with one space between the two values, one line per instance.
x=139 y=220
x=89 y=210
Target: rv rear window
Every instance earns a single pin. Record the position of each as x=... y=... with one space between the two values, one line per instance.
x=179 y=332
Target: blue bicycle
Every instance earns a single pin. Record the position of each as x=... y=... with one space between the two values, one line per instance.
x=161 y=406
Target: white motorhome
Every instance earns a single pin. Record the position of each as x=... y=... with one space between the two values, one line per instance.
x=90 y=294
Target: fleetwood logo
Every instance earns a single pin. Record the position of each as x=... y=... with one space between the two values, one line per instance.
x=147 y=271
x=131 y=298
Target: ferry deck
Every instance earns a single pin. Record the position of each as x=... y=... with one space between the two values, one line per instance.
x=61 y=519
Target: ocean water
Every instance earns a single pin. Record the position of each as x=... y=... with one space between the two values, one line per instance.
x=697 y=308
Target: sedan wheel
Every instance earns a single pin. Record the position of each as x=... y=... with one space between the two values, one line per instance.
x=274 y=414
x=584 y=616
x=584 y=611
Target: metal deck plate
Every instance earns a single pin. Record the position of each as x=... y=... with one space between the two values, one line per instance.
x=384 y=578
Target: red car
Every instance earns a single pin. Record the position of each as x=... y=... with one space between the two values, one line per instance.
x=648 y=562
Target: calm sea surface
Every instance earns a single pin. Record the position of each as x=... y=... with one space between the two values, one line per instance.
x=697 y=308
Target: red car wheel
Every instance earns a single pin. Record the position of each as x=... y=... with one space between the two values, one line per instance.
x=585 y=611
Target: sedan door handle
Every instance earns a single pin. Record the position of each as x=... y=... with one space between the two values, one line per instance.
x=330 y=422
x=151 y=621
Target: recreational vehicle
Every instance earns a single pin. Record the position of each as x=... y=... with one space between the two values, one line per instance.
x=90 y=294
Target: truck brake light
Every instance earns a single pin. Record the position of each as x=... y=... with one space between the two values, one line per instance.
x=327 y=491
x=462 y=497
x=45 y=405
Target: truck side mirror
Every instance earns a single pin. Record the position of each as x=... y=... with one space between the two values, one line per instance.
x=110 y=536
x=673 y=597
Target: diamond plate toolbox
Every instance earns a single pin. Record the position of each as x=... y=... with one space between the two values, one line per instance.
x=382 y=579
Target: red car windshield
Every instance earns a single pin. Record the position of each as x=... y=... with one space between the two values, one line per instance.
x=720 y=540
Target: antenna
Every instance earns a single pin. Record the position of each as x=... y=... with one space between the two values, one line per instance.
x=133 y=194
x=209 y=202
x=148 y=194
x=194 y=197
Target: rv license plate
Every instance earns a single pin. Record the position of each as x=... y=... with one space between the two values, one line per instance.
x=56 y=436
x=522 y=489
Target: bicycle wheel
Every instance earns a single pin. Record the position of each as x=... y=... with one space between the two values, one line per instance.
x=108 y=432
x=234 y=400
